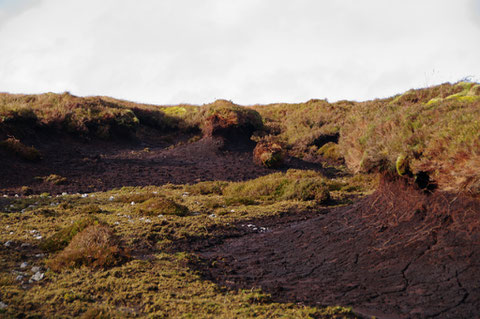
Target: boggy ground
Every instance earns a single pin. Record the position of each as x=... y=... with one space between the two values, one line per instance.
x=103 y=165
x=398 y=253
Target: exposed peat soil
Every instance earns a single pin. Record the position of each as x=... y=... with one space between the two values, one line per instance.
x=398 y=253
x=103 y=165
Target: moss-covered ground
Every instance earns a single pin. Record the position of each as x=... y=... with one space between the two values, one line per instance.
x=157 y=280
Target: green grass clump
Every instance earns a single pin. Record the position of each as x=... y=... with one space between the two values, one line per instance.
x=55 y=179
x=96 y=246
x=161 y=205
x=16 y=147
x=62 y=238
x=292 y=185
x=206 y=188
x=330 y=151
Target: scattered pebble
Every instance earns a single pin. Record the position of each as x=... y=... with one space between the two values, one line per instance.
x=64 y=194
x=19 y=277
x=232 y=210
x=35 y=269
x=148 y=220
x=40 y=255
x=3 y=305
x=132 y=203
x=34 y=231
x=8 y=243
x=155 y=192
x=23 y=210
x=11 y=233
x=84 y=195
x=160 y=216
x=212 y=215
x=116 y=223
x=16 y=195
x=37 y=276
x=111 y=198
x=24 y=245
x=23 y=265
x=6 y=196
x=38 y=237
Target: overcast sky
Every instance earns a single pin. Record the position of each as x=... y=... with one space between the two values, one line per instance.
x=247 y=51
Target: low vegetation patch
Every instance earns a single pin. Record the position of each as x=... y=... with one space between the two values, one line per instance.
x=226 y=119
x=62 y=238
x=16 y=147
x=96 y=246
x=268 y=154
x=161 y=205
x=293 y=185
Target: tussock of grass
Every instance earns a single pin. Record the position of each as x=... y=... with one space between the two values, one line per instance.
x=16 y=147
x=55 y=179
x=95 y=246
x=206 y=188
x=293 y=185
x=330 y=151
x=161 y=205
x=62 y=238
x=268 y=154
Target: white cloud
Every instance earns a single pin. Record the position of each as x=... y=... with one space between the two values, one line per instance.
x=251 y=51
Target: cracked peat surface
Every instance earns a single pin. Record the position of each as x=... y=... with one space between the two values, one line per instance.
x=398 y=253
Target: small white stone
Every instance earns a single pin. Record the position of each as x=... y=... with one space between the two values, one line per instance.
x=212 y=215
x=116 y=223
x=232 y=210
x=155 y=192
x=11 y=233
x=34 y=231
x=142 y=218
x=37 y=276
x=23 y=265
x=160 y=216
x=38 y=237
x=84 y=195
x=3 y=305
x=111 y=198
x=23 y=210
x=23 y=245
x=40 y=255
x=64 y=194
x=6 y=196
x=35 y=269
x=19 y=278
x=16 y=195
x=8 y=243
x=132 y=203
x=148 y=220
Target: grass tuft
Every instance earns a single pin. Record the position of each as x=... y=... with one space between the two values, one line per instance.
x=96 y=246
x=28 y=153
